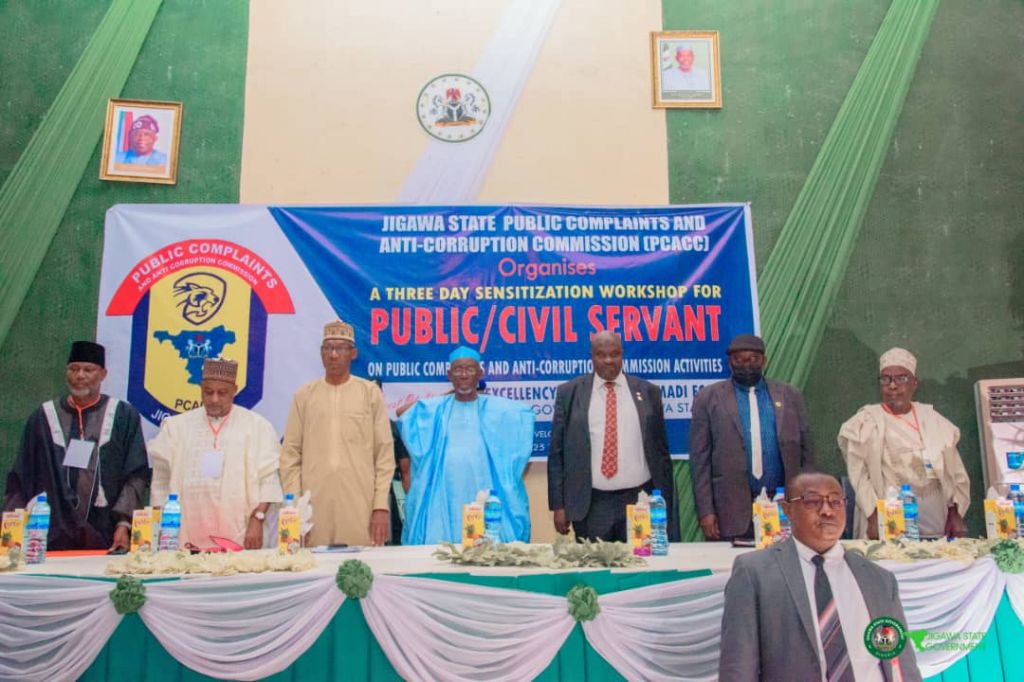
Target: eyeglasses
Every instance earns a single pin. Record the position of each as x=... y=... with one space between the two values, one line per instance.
x=463 y=371
x=329 y=350
x=898 y=379
x=814 y=502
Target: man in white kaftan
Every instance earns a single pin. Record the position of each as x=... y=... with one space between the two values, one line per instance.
x=222 y=460
x=900 y=441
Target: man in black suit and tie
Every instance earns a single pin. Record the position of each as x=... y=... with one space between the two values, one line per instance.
x=747 y=432
x=800 y=609
x=608 y=443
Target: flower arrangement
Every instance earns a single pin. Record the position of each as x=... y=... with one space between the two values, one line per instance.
x=11 y=560
x=563 y=553
x=959 y=549
x=224 y=563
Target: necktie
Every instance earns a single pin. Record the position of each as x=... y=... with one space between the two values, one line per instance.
x=756 y=467
x=610 y=454
x=837 y=659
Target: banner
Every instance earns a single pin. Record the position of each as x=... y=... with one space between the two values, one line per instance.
x=525 y=285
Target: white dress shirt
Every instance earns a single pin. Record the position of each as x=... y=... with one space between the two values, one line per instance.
x=853 y=612
x=633 y=470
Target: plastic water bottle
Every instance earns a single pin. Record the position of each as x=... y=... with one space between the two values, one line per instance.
x=288 y=526
x=1016 y=496
x=659 y=524
x=170 y=524
x=38 y=530
x=911 y=531
x=492 y=518
x=785 y=529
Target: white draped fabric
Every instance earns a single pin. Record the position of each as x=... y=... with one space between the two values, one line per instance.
x=948 y=597
x=434 y=630
x=245 y=628
x=53 y=629
x=1015 y=591
x=452 y=173
x=671 y=630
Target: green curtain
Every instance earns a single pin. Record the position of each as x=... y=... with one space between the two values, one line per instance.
x=40 y=186
x=689 y=524
x=802 y=276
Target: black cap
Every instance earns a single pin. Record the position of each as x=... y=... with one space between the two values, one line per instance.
x=742 y=342
x=87 y=351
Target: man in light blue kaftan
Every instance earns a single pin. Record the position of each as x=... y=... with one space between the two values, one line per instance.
x=459 y=444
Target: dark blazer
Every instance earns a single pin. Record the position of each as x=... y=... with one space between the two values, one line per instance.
x=569 y=475
x=718 y=454
x=767 y=625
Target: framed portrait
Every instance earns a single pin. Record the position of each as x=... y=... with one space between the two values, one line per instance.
x=684 y=70
x=140 y=141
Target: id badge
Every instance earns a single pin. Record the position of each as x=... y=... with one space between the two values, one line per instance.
x=78 y=454
x=212 y=464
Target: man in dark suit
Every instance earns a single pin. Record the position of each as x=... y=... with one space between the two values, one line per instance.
x=799 y=610
x=608 y=443
x=747 y=432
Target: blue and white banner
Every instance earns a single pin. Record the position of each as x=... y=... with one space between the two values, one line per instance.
x=524 y=285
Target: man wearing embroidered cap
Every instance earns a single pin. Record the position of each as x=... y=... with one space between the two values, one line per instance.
x=142 y=141
x=85 y=450
x=747 y=433
x=901 y=441
x=338 y=445
x=462 y=443
x=222 y=461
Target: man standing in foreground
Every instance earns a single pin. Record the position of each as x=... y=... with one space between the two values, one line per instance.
x=85 y=450
x=608 y=443
x=462 y=443
x=747 y=433
x=799 y=609
x=222 y=461
x=337 y=444
x=900 y=441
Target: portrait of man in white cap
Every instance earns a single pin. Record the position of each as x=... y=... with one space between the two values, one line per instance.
x=900 y=441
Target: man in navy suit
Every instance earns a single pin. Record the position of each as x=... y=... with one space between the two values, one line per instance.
x=608 y=443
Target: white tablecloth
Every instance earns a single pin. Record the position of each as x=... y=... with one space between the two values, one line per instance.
x=716 y=556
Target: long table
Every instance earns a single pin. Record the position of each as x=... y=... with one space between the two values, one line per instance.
x=426 y=619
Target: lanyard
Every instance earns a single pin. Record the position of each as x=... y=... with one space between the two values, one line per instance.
x=80 y=410
x=913 y=410
x=216 y=431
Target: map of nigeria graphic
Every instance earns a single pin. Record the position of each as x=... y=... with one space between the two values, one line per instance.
x=195 y=346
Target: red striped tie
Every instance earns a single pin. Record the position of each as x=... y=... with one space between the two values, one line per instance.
x=833 y=643
x=610 y=454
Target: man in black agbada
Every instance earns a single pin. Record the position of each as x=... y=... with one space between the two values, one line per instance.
x=85 y=450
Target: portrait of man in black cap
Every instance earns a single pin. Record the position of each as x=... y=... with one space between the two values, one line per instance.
x=86 y=451
x=747 y=432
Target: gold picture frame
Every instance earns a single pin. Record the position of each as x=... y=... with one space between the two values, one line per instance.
x=685 y=71
x=140 y=141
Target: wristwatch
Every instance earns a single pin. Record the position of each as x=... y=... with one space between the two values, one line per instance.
x=259 y=516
